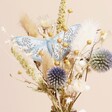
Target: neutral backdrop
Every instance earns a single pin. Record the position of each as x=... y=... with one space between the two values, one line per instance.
x=14 y=95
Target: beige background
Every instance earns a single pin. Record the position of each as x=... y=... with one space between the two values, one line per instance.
x=14 y=95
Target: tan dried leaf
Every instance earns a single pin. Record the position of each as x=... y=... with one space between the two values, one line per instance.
x=29 y=26
x=47 y=63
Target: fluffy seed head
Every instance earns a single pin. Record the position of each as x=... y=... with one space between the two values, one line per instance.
x=56 y=77
x=101 y=60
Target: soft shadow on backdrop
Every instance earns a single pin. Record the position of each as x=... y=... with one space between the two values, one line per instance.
x=14 y=95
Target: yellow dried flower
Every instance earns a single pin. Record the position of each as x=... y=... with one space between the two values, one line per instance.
x=102 y=33
x=89 y=42
x=30 y=71
x=70 y=11
x=76 y=52
x=65 y=44
x=61 y=16
x=67 y=62
x=59 y=40
x=19 y=72
x=40 y=53
x=57 y=63
x=50 y=34
x=65 y=28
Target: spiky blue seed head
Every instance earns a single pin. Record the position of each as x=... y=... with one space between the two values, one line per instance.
x=101 y=60
x=56 y=77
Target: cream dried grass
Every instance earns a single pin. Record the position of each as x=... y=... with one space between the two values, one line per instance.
x=29 y=26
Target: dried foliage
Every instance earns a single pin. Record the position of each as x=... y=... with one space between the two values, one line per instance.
x=29 y=26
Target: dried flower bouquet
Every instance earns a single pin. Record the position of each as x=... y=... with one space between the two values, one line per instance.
x=59 y=58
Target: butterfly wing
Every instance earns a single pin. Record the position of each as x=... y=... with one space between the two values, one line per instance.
x=56 y=49
x=71 y=33
x=31 y=45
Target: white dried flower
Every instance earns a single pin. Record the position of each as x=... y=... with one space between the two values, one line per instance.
x=68 y=100
x=45 y=22
x=88 y=31
x=80 y=64
x=80 y=85
x=3 y=29
x=103 y=37
x=77 y=86
x=70 y=90
x=83 y=110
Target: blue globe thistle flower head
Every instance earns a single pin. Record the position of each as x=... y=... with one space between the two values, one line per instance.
x=56 y=77
x=101 y=60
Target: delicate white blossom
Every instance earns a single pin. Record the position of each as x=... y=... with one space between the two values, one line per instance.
x=68 y=100
x=80 y=85
x=77 y=86
x=83 y=110
x=70 y=90
x=80 y=64
x=45 y=22
x=3 y=29
x=88 y=31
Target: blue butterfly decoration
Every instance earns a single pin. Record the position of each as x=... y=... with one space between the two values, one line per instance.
x=57 y=51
